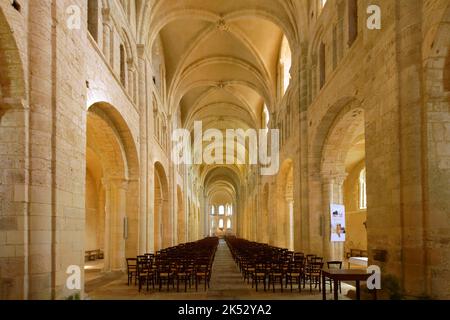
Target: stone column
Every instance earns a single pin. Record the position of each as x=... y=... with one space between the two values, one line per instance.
x=115 y=212
x=290 y=204
x=143 y=138
x=118 y=224
x=332 y=193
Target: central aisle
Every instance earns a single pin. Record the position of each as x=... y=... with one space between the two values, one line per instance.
x=226 y=281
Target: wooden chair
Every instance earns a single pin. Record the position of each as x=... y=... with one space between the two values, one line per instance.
x=182 y=274
x=295 y=274
x=248 y=270
x=164 y=273
x=144 y=274
x=132 y=270
x=260 y=274
x=276 y=274
x=201 y=273
x=313 y=273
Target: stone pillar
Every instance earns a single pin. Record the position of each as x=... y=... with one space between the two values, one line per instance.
x=40 y=246
x=118 y=224
x=302 y=240
x=143 y=140
x=115 y=210
x=290 y=204
x=332 y=193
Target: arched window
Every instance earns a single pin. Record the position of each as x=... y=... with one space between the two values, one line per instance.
x=362 y=190
x=93 y=18
x=221 y=224
x=221 y=210
x=229 y=224
x=286 y=63
x=212 y=210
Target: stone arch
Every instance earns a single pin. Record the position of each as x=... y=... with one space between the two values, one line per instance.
x=12 y=81
x=285 y=206
x=322 y=130
x=337 y=156
x=181 y=232
x=112 y=186
x=162 y=223
x=150 y=26
x=13 y=168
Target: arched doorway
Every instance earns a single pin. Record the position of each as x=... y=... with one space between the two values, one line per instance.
x=181 y=232
x=111 y=225
x=162 y=223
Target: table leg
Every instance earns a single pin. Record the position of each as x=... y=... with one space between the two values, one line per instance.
x=336 y=289
x=324 y=290
x=358 y=291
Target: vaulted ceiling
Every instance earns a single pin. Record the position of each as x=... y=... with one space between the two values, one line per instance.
x=221 y=58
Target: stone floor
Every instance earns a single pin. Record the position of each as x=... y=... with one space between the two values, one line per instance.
x=226 y=284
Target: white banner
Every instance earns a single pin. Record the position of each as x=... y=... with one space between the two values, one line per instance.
x=337 y=212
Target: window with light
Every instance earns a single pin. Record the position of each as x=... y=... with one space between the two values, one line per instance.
x=362 y=190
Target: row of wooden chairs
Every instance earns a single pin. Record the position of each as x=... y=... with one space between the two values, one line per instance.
x=186 y=264
x=270 y=266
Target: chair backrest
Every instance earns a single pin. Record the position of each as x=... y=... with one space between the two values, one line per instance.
x=299 y=255
x=131 y=263
x=295 y=267
x=316 y=259
x=309 y=257
x=314 y=266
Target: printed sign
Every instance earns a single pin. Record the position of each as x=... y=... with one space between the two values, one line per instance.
x=337 y=223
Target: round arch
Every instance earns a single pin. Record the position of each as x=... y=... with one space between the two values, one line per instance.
x=112 y=187
x=150 y=26
x=14 y=125
x=339 y=163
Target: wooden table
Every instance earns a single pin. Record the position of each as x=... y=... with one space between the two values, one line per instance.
x=337 y=275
